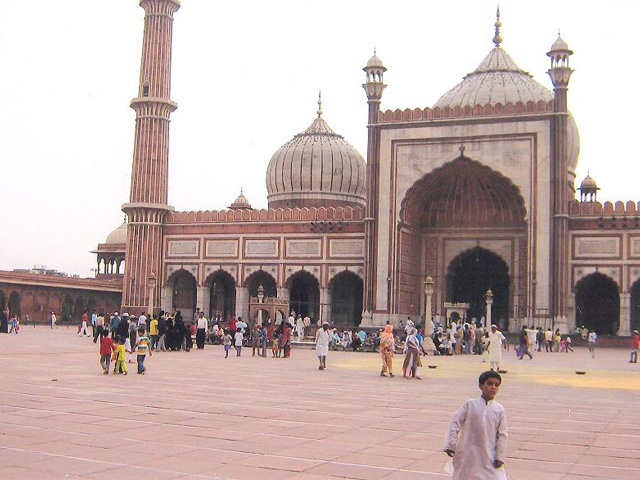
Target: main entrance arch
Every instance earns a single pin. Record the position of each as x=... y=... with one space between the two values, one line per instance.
x=598 y=304
x=471 y=274
x=463 y=206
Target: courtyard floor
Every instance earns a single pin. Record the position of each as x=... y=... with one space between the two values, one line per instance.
x=198 y=415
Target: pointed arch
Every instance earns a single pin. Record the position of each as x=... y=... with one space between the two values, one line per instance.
x=222 y=294
x=598 y=304
x=346 y=293
x=463 y=194
x=304 y=294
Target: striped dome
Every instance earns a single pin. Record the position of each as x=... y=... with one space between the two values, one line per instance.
x=496 y=80
x=317 y=167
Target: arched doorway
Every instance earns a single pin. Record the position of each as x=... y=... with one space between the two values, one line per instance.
x=66 y=309
x=346 y=299
x=471 y=274
x=304 y=295
x=635 y=306
x=78 y=309
x=222 y=300
x=14 y=303
x=598 y=304
x=3 y=300
x=463 y=201
x=28 y=306
x=260 y=277
x=184 y=293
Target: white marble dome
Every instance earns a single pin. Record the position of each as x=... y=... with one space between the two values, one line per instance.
x=118 y=236
x=496 y=80
x=499 y=80
x=317 y=167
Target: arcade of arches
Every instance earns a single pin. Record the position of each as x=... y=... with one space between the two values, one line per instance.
x=463 y=201
x=340 y=302
x=36 y=302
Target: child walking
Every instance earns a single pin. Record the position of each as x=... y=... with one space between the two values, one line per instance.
x=142 y=347
x=119 y=357
x=226 y=341
x=238 y=339
x=477 y=436
x=106 y=349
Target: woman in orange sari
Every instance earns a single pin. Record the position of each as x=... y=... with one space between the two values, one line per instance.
x=387 y=346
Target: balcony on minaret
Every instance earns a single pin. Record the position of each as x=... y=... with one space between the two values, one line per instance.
x=374 y=84
x=560 y=72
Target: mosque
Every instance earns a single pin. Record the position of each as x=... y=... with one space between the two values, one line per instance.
x=477 y=192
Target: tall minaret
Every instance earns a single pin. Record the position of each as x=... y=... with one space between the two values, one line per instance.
x=373 y=86
x=560 y=74
x=147 y=205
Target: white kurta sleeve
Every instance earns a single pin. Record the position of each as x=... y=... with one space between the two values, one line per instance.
x=451 y=438
x=501 y=438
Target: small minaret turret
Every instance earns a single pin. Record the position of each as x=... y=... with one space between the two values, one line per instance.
x=560 y=72
x=374 y=87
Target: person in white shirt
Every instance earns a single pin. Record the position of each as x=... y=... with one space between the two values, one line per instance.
x=201 y=329
x=142 y=321
x=477 y=437
x=323 y=337
x=238 y=339
x=495 y=348
x=592 y=343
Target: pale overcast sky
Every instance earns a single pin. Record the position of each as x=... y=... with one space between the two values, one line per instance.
x=246 y=76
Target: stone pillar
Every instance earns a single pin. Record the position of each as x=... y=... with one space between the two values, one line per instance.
x=242 y=303
x=428 y=345
x=571 y=312
x=325 y=305
x=625 y=315
x=489 y=300
x=166 y=300
x=283 y=293
x=203 y=297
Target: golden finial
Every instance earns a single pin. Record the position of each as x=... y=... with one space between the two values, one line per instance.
x=497 y=39
x=319 y=112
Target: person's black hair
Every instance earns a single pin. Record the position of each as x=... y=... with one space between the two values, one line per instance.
x=484 y=376
x=104 y=332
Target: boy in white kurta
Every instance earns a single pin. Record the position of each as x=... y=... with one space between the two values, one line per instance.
x=495 y=348
x=477 y=436
x=323 y=337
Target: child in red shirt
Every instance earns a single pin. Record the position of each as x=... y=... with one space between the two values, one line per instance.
x=106 y=347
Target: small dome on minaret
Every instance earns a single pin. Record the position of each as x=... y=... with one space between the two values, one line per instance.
x=240 y=203
x=588 y=189
x=375 y=63
x=559 y=47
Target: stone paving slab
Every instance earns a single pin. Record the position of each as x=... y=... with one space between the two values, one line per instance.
x=198 y=415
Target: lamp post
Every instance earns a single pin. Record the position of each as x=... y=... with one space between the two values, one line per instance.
x=489 y=299
x=152 y=288
x=260 y=300
x=427 y=341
